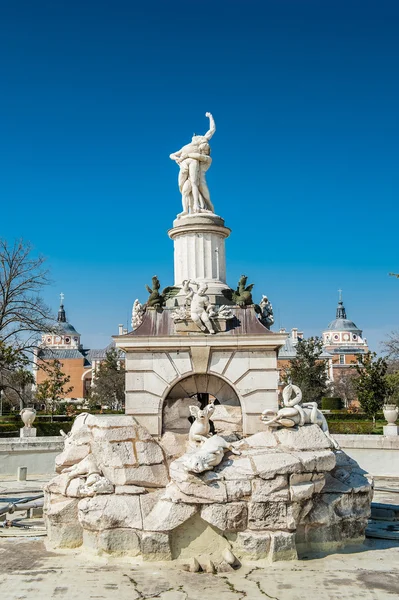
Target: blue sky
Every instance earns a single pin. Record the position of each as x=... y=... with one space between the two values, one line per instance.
x=96 y=95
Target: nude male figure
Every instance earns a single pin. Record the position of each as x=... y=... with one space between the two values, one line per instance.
x=194 y=160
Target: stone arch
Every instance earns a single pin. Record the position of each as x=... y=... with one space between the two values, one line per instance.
x=201 y=389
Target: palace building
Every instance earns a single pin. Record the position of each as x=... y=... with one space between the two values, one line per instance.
x=78 y=362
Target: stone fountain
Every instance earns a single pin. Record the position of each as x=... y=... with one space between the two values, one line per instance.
x=246 y=480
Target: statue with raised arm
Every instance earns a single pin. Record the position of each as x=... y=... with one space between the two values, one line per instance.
x=194 y=160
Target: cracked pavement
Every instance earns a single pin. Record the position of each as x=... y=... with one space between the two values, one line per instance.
x=29 y=571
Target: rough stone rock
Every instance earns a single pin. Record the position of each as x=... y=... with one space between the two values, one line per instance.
x=174 y=444
x=194 y=566
x=119 y=542
x=208 y=566
x=239 y=467
x=346 y=481
x=64 y=535
x=276 y=463
x=253 y=545
x=149 y=453
x=61 y=484
x=114 y=454
x=267 y=515
x=148 y=501
x=90 y=541
x=282 y=546
x=95 y=484
x=61 y=510
x=203 y=493
x=309 y=437
x=176 y=414
x=130 y=489
x=151 y=476
x=301 y=491
x=72 y=455
x=226 y=517
x=155 y=546
x=224 y=567
x=238 y=489
x=74 y=488
x=166 y=516
x=110 y=511
x=263 y=439
x=320 y=460
x=229 y=557
x=270 y=489
x=227 y=419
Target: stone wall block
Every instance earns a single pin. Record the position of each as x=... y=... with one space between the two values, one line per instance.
x=149 y=453
x=264 y=490
x=111 y=511
x=64 y=535
x=283 y=546
x=301 y=491
x=227 y=517
x=71 y=455
x=152 y=476
x=166 y=516
x=119 y=542
x=115 y=434
x=252 y=545
x=309 y=437
x=155 y=546
x=267 y=515
x=114 y=454
x=320 y=460
x=278 y=463
x=238 y=489
x=61 y=510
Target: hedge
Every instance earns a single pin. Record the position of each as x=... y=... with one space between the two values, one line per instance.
x=331 y=404
x=357 y=427
x=43 y=429
x=345 y=416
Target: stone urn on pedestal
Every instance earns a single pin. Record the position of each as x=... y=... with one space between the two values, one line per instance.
x=391 y=412
x=28 y=415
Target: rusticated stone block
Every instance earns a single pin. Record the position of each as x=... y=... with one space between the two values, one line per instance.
x=267 y=515
x=253 y=545
x=283 y=546
x=119 y=542
x=227 y=517
x=155 y=546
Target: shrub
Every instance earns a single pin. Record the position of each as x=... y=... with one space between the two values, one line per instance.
x=331 y=404
x=357 y=427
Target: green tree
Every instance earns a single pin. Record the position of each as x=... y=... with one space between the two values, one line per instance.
x=53 y=389
x=371 y=383
x=392 y=380
x=308 y=370
x=109 y=382
x=15 y=378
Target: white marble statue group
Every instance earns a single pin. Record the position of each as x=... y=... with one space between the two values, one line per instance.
x=194 y=160
x=210 y=449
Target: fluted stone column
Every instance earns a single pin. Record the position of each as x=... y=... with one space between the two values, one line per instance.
x=199 y=250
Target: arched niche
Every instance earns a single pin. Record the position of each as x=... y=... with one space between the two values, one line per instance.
x=200 y=390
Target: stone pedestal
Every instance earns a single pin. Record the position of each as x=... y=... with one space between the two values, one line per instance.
x=199 y=251
x=27 y=432
x=391 y=430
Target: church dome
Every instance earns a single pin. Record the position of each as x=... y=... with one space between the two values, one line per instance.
x=343 y=325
